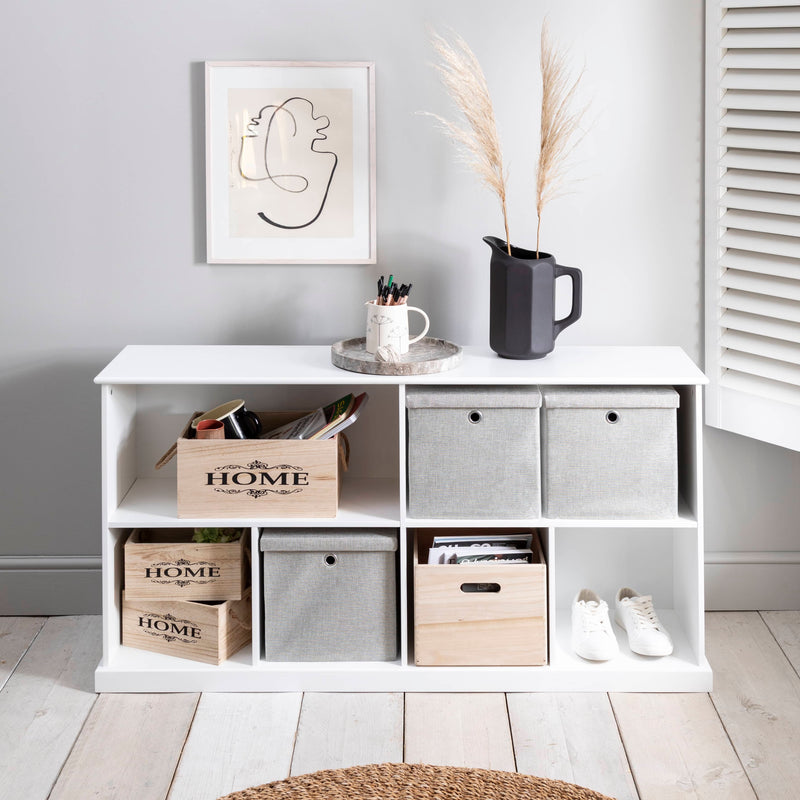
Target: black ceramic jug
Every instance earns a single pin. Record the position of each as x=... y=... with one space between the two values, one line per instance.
x=522 y=299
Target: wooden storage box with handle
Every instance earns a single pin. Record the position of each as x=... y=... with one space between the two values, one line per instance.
x=486 y=614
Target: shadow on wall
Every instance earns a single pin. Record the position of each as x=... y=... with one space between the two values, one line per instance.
x=197 y=81
x=752 y=502
x=50 y=487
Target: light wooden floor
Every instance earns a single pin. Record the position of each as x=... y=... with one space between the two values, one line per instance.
x=60 y=740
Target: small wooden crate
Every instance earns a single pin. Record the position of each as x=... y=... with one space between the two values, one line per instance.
x=260 y=478
x=166 y=564
x=479 y=628
x=207 y=632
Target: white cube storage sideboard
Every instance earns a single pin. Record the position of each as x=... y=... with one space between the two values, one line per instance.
x=148 y=392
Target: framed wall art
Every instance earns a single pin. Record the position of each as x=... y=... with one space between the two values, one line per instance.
x=290 y=162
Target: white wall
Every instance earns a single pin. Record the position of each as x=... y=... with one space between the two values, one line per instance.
x=103 y=221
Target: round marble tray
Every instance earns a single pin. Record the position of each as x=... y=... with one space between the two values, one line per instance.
x=423 y=358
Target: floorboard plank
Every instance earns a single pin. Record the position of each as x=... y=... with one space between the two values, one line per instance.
x=256 y=734
x=44 y=703
x=573 y=738
x=785 y=627
x=16 y=635
x=459 y=730
x=128 y=748
x=339 y=730
x=757 y=696
x=677 y=748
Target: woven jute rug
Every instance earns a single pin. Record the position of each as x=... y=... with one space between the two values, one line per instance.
x=415 y=782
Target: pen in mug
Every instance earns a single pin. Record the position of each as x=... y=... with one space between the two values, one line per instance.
x=390 y=293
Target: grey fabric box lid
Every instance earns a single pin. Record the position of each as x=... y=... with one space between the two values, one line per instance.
x=327 y=539
x=474 y=397
x=609 y=397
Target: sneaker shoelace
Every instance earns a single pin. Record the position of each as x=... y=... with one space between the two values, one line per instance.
x=644 y=615
x=594 y=616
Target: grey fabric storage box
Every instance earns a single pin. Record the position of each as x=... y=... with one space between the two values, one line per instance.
x=610 y=452
x=329 y=595
x=473 y=452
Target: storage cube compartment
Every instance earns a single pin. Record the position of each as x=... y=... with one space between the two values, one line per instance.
x=473 y=452
x=480 y=614
x=210 y=632
x=661 y=562
x=610 y=452
x=330 y=594
x=166 y=564
x=258 y=478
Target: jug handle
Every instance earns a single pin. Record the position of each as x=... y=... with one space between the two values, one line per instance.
x=577 y=294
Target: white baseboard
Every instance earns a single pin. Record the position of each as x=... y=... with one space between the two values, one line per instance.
x=56 y=585
x=742 y=581
x=50 y=585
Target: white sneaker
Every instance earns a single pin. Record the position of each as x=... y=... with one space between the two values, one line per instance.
x=646 y=635
x=592 y=635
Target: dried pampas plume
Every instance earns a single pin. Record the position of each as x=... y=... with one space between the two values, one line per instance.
x=478 y=143
x=560 y=126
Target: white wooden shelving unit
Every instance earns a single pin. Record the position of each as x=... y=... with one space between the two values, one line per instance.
x=149 y=392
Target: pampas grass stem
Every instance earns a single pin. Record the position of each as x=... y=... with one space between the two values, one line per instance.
x=478 y=143
x=560 y=125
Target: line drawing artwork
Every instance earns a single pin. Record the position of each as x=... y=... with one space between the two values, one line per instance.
x=290 y=162
x=280 y=151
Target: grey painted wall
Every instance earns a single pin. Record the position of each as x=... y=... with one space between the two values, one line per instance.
x=103 y=229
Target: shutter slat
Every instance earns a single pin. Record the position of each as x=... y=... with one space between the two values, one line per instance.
x=761 y=387
x=787 y=80
x=761 y=181
x=761 y=263
x=761 y=243
x=767 y=161
x=770 y=285
x=755 y=3
x=755 y=100
x=762 y=346
x=761 y=367
x=763 y=17
x=782 y=141
x=763 y=326
x=768 y=202
x=780 y=38
x=761 y=59
x=762 y=120
x=780 y=224
x=761 y=305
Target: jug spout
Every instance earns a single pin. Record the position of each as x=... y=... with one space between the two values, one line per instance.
x=498 y=245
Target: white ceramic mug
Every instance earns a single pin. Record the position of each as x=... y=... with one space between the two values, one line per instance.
x=388 y=326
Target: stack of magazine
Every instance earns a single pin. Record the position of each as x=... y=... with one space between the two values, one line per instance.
x=324 y=422
x=506 y=548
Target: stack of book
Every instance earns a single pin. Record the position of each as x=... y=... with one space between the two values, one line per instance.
x=506 y=548
x=324 y=422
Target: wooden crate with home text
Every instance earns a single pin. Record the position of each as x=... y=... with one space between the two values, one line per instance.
x=260 y=478
x=200 y=631
x=166 y=564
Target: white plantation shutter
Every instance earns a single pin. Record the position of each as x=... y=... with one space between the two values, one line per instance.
x=753 y=218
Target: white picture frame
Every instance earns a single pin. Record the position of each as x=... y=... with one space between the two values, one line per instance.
x=290 y=162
